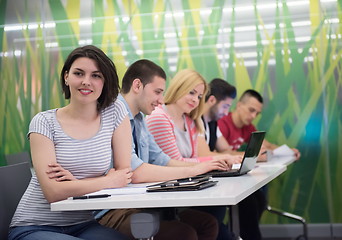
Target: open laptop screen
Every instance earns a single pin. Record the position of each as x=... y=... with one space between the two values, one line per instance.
x=252 y=151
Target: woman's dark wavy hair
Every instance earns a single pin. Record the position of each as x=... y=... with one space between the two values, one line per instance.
x=105 y=65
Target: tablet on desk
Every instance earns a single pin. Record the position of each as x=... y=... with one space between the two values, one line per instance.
x=183 y=184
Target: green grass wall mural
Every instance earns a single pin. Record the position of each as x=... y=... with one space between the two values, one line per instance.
x=290 y=51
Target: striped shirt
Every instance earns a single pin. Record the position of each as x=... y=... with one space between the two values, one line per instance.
x=83 y=158
x=162 y=128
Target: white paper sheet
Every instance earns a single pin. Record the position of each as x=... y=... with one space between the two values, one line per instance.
x=283 y=150
x=129 y=189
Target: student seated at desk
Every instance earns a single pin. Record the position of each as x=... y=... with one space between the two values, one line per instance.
x=218 y=100
x=142 y=90
x=76 y=142
x=217 y=104
x=177 y=124
x=237 y=127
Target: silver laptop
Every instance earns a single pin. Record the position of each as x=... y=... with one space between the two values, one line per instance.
x=249 y=159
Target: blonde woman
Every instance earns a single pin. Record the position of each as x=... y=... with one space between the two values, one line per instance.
x=177 y=124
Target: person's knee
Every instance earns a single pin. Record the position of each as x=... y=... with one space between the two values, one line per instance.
x=170 y=230
x=210 y=227
x=186 y=232
x=204 y=223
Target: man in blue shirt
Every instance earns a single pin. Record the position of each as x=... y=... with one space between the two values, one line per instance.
x=142 y=90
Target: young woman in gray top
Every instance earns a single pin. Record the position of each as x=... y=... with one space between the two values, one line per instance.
x=76 y=142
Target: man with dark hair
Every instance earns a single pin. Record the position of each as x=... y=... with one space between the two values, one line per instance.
x=236 y=128
x=144 y=70
x=217 y=103
x=221 y=90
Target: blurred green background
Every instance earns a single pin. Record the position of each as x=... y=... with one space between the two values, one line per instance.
x=290 y=51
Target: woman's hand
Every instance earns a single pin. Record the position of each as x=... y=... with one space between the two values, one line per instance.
x=57 y=172
x=229 y=159
x=214 y=164
x=119 y=178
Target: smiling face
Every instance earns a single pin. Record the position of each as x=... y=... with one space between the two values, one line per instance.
x=151 y=95
x=85 y=81
x=190 y=101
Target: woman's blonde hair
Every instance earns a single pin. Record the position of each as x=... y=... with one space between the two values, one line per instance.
x=182 y=83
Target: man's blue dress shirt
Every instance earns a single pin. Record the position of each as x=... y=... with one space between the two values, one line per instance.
x=148 y=149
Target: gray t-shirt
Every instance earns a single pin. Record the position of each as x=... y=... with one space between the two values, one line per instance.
x=83 y=158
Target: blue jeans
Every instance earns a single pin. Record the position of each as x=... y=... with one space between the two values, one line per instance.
x=88 y=230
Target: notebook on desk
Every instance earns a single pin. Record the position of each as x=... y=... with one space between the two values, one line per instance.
x=249 y=159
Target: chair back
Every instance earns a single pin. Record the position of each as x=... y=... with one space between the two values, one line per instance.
x=18 y=158
x=14 y=180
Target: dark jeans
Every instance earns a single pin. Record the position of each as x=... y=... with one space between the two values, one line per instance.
x=88 y=230
x=219 y=212
x=250 y=211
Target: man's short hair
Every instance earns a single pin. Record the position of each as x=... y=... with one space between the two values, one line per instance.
x=143 y=69
x=251 y=93
x=221 y=90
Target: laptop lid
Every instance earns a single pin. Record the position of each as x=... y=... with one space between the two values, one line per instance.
x=249 y=159
x=252 y=151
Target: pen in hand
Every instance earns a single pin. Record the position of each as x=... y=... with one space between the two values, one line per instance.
x=91 y=196
x=264 y=152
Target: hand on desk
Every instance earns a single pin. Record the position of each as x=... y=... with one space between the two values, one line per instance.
x=284 y=150
x=263 y=153
x=215 y=164
x=229 y=159
x=262 y=157
x=219 y=162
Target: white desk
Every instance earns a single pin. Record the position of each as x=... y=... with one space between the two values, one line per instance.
x=229 y=191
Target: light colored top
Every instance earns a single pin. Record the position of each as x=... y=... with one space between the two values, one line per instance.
x=83 y=158
x=162 y=128
x=183 y=141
